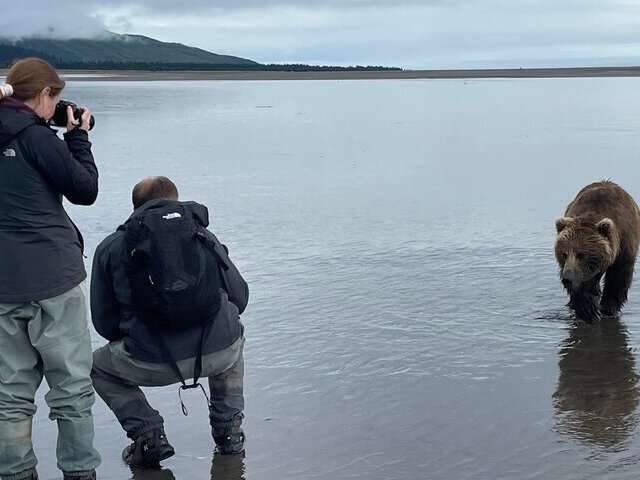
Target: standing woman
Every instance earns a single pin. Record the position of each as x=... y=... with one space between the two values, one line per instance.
x=43 y=314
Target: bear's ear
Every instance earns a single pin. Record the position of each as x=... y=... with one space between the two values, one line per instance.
x=605 y=227
x=562 y=223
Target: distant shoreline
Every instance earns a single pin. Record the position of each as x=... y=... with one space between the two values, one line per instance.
x=143 y=75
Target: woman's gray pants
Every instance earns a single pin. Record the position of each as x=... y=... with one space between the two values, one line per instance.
x=117 y=377
x=47 y=337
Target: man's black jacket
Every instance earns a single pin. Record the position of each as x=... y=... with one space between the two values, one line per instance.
x=114 y=318
x=40 y=247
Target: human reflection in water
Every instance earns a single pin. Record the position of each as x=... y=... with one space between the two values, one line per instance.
x=223 y=467
x=597 y=392
x=227 y=467
x=152 y=474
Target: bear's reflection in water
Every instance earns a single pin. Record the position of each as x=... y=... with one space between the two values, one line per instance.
x=597 y=392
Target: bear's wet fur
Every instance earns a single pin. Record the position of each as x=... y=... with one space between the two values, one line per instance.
x=598 y=236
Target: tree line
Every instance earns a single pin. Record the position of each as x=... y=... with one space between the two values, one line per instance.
x=10 y=54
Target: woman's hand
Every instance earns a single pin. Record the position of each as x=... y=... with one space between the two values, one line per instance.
x=82 y=124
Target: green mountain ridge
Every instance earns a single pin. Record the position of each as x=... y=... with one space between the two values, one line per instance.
x=116 y=51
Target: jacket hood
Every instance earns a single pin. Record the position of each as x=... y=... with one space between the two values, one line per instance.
x=15 y=116
x=199 y=212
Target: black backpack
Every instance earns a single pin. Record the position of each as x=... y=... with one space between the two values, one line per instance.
x=173 y=268
x=174 y=272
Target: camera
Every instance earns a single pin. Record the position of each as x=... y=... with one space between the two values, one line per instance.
x=59 y=118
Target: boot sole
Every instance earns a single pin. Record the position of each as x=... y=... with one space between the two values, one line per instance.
x=158 y=456
x=152 y=459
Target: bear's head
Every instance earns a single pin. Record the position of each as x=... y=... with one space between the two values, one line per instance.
x=584 y=250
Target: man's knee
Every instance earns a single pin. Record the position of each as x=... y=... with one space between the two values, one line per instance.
x=101 y=358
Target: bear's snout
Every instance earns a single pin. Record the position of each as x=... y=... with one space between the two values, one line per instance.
x=568 y=278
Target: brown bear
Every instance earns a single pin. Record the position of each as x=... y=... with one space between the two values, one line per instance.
x=598 y=235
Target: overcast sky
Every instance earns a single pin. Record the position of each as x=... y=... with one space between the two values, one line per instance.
x=414 y=34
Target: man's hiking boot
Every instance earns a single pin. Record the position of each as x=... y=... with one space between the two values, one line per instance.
x=229 y=440
x=148 y=450
x=84 y=475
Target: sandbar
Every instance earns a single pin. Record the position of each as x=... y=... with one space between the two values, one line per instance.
x=147 y=75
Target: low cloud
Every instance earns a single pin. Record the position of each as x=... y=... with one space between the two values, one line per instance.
x=29 y=18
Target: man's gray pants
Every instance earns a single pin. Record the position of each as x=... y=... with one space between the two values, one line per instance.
x=46 y=338
x=117 y=377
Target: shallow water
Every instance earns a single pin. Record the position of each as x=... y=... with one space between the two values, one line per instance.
x=406 y=320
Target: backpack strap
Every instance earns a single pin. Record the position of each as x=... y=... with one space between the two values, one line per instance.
x=211 y=246
x=206 y=328
x=197 y=368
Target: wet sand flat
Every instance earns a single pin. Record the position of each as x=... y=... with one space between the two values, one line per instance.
x=144 y=75
x=406 y=320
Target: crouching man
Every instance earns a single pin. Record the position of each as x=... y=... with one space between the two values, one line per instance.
x=168 y=298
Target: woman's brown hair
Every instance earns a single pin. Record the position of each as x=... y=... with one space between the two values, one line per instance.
x=30 y=76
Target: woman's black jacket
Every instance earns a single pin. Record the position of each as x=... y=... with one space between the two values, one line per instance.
x=40 y=247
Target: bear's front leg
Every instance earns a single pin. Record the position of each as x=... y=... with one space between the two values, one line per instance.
x=585 y=302
x=617 y=282
x=586 y=308
x=591 y=293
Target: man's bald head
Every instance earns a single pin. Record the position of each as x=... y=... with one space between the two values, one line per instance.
x=151 y=188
